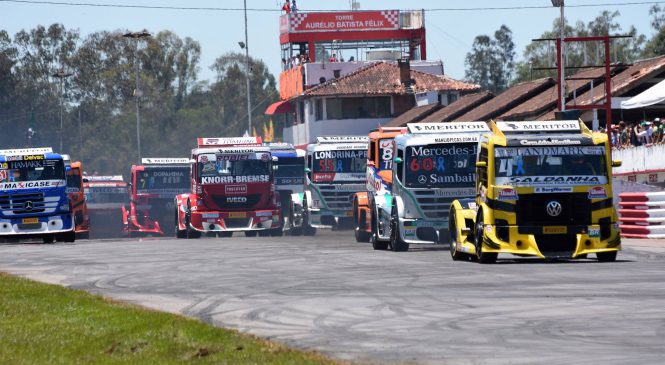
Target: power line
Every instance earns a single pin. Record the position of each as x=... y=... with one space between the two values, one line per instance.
x=276 y=10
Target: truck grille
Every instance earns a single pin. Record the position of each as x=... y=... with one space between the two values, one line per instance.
x=26 y=203
x=223 y=204
x=532 y=209
x=339 y=200
x=433 y=206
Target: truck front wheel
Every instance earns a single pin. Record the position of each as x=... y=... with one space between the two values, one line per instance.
x=376 y=244
x=396 y=242
x=479 y=236
x=452 y=229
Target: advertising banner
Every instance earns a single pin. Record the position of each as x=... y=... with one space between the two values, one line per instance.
x=340 y=21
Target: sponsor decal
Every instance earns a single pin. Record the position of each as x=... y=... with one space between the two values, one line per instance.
x=239 y=157
x=507 y=194
x=551 y=180
x=213 y=142
x=33 y=157
x=289 y=180
x=419 y=128
x=209 y=215
x=234 y=179
x=168 y=174
x=263 y=214
x=454 y=193
x=338 y=139
x=553 y=189
x=409 y=231
x=456 y=139
x=323 y=176
x=160 y=161
x=447 y=179
x=594 y=232
x=597 y=192
x=4 y=174
x=26 y=151
x=340 y=154
x=4 y=165
x=26 y=164
x=31 y=184
x=549 y=142
x=550 y=151
x=265 y=157
x=350 y=187
x=530 y=126
x=236 y=199
x=488 y=229
x=235 y=189
x=442 y=151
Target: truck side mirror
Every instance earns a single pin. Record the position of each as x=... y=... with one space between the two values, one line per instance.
x=482 y=164
x=308 y=170
x=398 y=160
x=371 y=163
x=616 y=163
x=85 y=180
x=68 y=168
x=275 y=158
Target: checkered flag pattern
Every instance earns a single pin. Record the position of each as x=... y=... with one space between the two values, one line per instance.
x=297 y=19
x=392 y=16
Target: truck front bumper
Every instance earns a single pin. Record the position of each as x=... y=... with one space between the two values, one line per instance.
x=550 y=241
x=35 y=226
x=324 y=218
x=256 y=220
x=423 y=231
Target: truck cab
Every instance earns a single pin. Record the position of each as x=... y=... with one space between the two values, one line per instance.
x=290 y=184
x=76 y=193
x=335 y=172
x=154 y=185
x=369 y=205
x=33 y=196
x=543 y=189
x=107 y=197
x=232 y=189
x=434 y=165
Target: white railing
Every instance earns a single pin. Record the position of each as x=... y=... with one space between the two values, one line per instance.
x=639 y=159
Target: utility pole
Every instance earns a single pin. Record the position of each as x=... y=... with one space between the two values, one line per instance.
x=562 y=59
x=137 y=92
x=62 y=75
x=247 y=70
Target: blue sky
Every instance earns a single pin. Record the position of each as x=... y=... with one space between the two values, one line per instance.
x=449 y=33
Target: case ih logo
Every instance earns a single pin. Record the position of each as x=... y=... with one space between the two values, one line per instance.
x=235 y=189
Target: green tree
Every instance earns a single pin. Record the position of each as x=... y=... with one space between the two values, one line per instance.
x=542 y=54
x=656 y=45
x=491 y=61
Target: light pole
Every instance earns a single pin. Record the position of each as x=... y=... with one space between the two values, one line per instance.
x=562 y=76
x=137 y=92
x=246 y=47
x=62 y=75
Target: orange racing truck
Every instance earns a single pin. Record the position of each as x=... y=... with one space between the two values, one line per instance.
x=153 y=187
x=380 y=155
x=76 y=194
x=232 y=189
x=106 y=197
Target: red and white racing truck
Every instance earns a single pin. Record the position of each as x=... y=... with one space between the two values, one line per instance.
x=232 y=189
x=154 y=185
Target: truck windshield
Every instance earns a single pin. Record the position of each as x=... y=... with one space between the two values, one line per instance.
x=291 y=167
x=216 y=169
x=33 y=170
x=106 y=194
x=567 y=165
x=73 y=182
x=441 y=165
x=339 y=166
x=162 y=179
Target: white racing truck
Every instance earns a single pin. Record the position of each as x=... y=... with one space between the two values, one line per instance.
x=290 y=184
x=335 y=171
x=434 y=165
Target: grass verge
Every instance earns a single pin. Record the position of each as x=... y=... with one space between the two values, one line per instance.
x=49 y=324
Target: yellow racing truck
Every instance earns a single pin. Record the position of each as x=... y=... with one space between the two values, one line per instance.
x=543 y=188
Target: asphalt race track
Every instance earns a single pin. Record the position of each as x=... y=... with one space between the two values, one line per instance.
x=331 y=294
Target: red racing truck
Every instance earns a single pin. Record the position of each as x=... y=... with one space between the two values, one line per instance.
x=232 y=189
x=154 y=186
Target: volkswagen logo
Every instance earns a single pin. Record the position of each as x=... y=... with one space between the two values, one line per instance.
x=28 y=205
x=422 y=179
x=554 y=208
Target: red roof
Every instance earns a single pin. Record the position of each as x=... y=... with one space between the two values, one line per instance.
x=458 y=107
x=507 y=100
x=382 y=78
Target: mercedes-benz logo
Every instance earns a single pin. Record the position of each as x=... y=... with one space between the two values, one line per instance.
x=554 y=208
x=422 y=179
x=28 y=205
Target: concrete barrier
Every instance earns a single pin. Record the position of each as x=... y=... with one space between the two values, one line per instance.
x=642 y=215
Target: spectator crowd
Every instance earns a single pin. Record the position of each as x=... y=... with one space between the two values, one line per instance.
x=646 y=133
